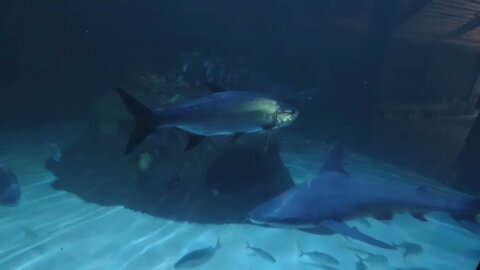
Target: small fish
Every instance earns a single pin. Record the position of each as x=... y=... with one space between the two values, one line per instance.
x=197 y=257
x=371 y=258
x=409 y=248
x=29 y=233
x=319 y=257
x=9 y=187
x=261 y=253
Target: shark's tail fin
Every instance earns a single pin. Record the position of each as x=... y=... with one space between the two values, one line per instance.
x=144 y=117
x=468 y=220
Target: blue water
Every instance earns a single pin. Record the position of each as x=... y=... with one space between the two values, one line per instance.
x=56 y=230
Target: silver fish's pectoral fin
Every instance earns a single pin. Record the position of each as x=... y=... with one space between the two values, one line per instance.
x=352 y=232
x=268 y=141
x=236 y=136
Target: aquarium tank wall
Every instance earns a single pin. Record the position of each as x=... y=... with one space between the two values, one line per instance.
x=239 y=135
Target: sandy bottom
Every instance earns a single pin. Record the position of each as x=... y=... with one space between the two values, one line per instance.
x=53 y=230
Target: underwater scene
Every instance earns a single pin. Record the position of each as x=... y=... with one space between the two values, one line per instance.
x=240 y=135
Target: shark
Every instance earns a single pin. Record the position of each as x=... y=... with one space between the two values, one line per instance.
x=335 y=196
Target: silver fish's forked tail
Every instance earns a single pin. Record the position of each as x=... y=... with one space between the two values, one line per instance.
x=145 y=121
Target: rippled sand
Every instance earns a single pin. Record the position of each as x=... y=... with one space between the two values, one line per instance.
x=53 y=230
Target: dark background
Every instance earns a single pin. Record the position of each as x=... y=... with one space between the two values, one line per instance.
x=56 y=56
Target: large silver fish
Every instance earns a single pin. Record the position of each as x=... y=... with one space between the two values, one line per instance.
x=221 y=113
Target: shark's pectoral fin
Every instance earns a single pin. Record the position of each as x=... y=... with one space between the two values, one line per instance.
x=193 y=140
x=470 y=225
x=384 y=216
x=318 y=230
x=352 y=232
x=468 y=222
x=468 y=219
x=419 y=216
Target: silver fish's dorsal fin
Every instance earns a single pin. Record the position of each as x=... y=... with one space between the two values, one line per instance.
x=334 y=160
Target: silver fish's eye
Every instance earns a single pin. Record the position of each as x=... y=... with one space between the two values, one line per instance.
x=286 y=112
x=285 y=117
x=289 y=112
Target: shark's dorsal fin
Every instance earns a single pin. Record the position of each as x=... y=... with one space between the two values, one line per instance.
x=334 y=160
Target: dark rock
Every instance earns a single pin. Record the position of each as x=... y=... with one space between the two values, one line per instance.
x=9 y=187
x=217 y=182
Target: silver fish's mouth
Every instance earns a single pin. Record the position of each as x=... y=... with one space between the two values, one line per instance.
x=286 y=117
